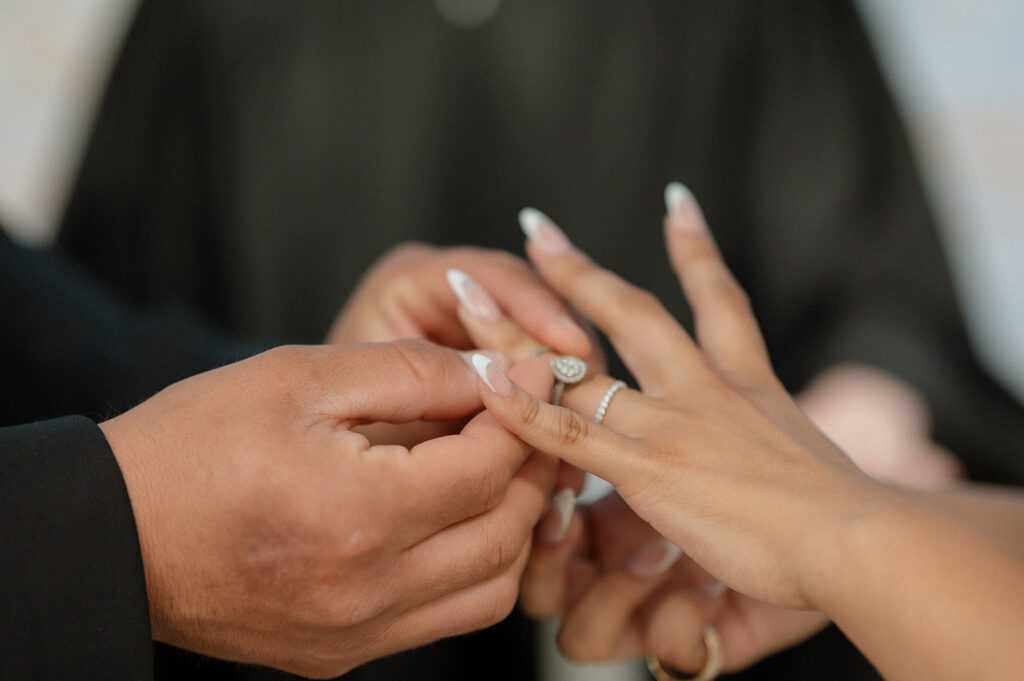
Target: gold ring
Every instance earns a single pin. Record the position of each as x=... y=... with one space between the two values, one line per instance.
x=712 y=665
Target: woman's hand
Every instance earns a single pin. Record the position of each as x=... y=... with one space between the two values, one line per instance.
x=619 y=588
x=713 y=452
x=272 y=533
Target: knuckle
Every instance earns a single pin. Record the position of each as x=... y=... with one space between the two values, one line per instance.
x=530 y=414
x=501 y=601
x=572 y=428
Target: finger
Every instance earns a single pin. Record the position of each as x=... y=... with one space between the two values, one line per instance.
x=557 y=430
x=449 y=479
x=521 y=296
x=475 y=607
x=543 y=590
x=725 y=326
x=397 y=382
x=645 y=335
x=673 y=630
x=481 y=547
x=602 y=625
x=487 y=325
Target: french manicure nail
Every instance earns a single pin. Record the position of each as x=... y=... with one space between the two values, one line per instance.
x=683 y=212
x=556 y=520
x=654 y=558
x=492 y=375
x=539 y=229
x=473 y=296
x=714 y=589
x=499 y=359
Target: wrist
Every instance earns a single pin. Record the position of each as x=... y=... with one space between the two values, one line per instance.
x=846 y=541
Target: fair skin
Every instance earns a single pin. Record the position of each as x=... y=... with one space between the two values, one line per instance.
x=311 y=509
x=273 y=533
x=720 y=460
x=594 y=568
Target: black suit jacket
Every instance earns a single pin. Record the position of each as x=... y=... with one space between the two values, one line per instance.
x=72 y=590
x=254 y=158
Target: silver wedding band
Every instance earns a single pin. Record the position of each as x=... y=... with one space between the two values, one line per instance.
x=602 y=408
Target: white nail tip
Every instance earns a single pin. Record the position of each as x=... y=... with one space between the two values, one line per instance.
x=530 y=220
x=672 y=554
x=565 y=502
x=480 y=364
x=457 y=279
x=676 y=194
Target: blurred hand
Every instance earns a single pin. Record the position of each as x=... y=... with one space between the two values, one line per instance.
x=406 y=295
x=881 y=423
x=272 y=533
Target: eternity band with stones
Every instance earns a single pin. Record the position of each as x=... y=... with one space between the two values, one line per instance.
x=567 y=370
x=602 y=408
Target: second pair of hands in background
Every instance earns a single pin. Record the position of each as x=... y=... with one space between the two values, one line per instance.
x=611 y=577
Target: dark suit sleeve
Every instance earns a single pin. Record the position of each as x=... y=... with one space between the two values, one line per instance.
x=70 y=348
x=73 y=595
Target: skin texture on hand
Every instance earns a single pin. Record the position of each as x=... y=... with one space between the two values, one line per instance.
x=720 y=460
x=406 y=295
x=583 y=567
x=273 y=533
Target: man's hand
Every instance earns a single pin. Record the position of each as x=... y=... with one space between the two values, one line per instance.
x=406 y=295
x=272 y=533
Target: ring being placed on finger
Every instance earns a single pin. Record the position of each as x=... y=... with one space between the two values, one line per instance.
x=567 y=370
x=602 y=407
x=712 y=665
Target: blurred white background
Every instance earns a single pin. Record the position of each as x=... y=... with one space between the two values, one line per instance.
x=957 y=69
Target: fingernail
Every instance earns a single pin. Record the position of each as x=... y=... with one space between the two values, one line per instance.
x=540 y=230
x=683 y=212
x=556 y=521
x=499 y=359
x=654 y=559
x=713 y=589
x=473 y=296
x=492 y=375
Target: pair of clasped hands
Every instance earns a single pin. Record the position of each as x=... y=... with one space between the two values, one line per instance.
x=313 y=508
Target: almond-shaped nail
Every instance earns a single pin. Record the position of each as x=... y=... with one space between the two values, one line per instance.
x=654 y=558
x=683 y=212
x=492 y=375
x=499 y=359
x=540 y=229
x=556 y=521
x=473 y=296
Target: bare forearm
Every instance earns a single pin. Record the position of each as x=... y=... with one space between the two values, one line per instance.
x=924 y=595
x=998 y=512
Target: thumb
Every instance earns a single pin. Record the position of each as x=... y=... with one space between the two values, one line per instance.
x=555 y=430
x=400 y=381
